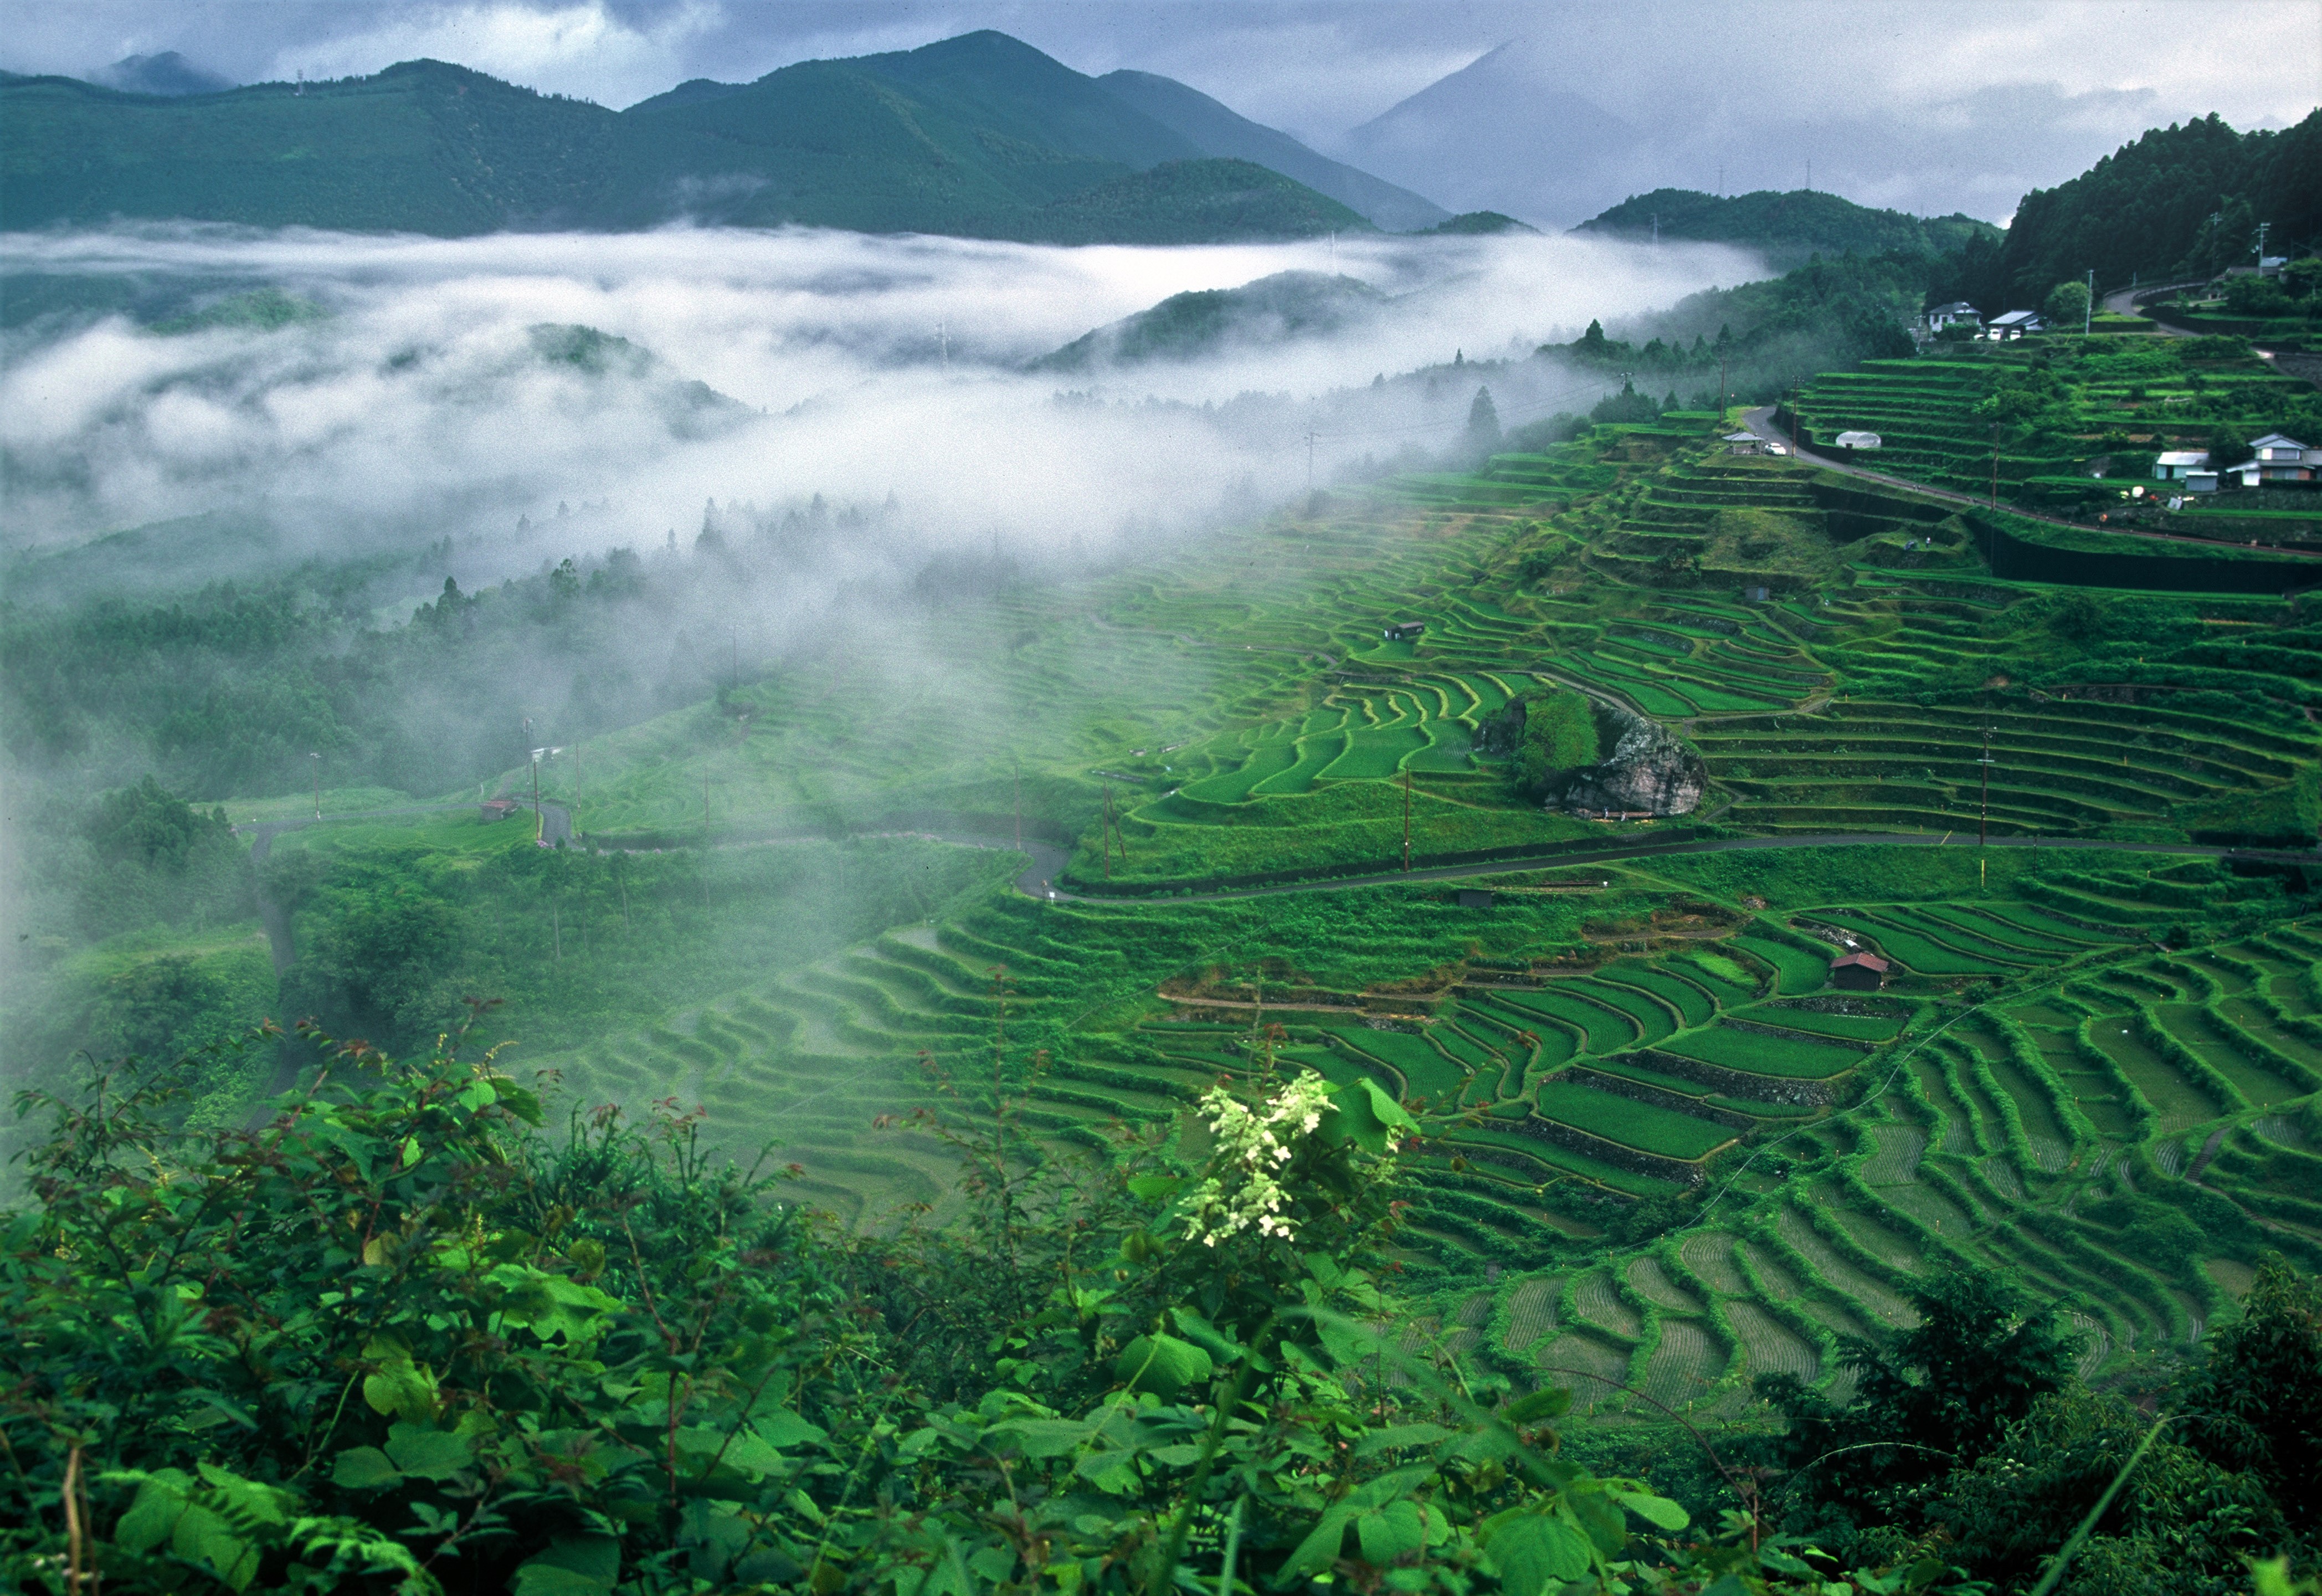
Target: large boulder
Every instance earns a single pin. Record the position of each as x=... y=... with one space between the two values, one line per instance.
x=1651 y=769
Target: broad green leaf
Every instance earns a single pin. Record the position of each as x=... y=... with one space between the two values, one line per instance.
x=1656 y=1510
x=1362 y=1113
x=1399 y=1435
x=430 y=1453
x=479 y=1095
x=783 y=1427
x=573 y=1565
x=364 y=1468
x=1397 y=1531
x=1162 y=1364
x=401 y=1388
x=171 y=1506
x=1212 y=1340
x=1155 y=1188
x=1552 y=1402
x=1535 y=1553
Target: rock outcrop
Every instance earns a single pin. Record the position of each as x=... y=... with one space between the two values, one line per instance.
x=1650 y=770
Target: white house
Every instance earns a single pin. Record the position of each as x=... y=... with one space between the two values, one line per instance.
x=2282 y=459
x=1958 y=313
x=2176 y=464
x=1857 y=440
x=2016 y=324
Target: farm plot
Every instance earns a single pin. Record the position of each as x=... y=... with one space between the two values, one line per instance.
x=1790 y=1055
x=1645 y=1126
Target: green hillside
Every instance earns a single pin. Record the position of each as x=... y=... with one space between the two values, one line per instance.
x=1288 y=305
x=1787 y=227
x=979 y=135
x=2181 y=202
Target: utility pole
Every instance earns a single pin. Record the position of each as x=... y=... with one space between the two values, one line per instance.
x=705 y=841
x=1983 y=826
x=1721 y=380
x=1105 y=829
x=1995 y=477
x=1311 y=437
x=317 y=758
x=1406 y=818
x=1019 y=809
x=538 y=826
x=2089 y=311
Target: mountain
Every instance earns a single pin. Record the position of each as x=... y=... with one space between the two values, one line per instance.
x=1220 y=131
x=168 y=73
x=979 y=135
x=1491 y=137
x=1276 y=310
x=1787 y=228
x=2180 y=202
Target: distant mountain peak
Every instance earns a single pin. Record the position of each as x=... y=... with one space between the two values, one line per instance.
x=168 y=73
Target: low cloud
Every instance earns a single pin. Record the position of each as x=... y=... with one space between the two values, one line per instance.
x=421 y=405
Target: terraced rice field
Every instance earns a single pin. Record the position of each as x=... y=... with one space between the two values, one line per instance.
x=2051 y=1050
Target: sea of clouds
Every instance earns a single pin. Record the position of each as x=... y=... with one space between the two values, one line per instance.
x=867 y=370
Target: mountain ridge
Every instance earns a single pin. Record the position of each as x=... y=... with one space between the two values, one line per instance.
x=978 y=135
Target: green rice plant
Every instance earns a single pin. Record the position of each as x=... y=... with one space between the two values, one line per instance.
x=1795 y=969
x=1920 y=953
x=1792 y=1055
x=1694 y=1006
x=1871 y=1028
x=1606 y=1029
x=2142 y=1114
x=1526 y=1312
x=2263 y=1053
x=1645 y=1126
x=2027 y=1058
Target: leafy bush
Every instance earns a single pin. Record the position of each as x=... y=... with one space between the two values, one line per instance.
x=1559 y=736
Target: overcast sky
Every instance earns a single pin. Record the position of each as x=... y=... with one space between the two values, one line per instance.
x=2040 y=87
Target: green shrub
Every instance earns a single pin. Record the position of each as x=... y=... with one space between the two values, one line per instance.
x=1559 y=736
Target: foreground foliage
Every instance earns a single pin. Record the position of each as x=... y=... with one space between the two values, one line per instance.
x=394 y=1338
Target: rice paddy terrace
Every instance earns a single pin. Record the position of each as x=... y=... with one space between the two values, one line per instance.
x=2031 y=420
x=1664 y=1153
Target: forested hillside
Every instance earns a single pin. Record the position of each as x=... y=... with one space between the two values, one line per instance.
x=2181 y=202
x=1785 y=228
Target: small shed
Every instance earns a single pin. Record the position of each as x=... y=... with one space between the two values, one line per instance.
x=1474 y=898
x=1857 y=440
x=2016 y=324
x=1857 y=972
x=1403 y=631
x=498 y=809
x=1744 y=443
x=2175 y=465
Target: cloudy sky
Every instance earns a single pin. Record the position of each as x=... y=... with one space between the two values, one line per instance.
x=1929 y=106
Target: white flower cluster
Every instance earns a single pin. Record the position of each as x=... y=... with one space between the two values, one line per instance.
x=1251 y=1145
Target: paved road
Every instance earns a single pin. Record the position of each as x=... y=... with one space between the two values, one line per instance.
x=1760 y=421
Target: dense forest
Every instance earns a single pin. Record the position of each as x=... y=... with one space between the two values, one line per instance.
x=2183 y=202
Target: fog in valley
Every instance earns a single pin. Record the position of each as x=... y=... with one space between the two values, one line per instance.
x=421 y=388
